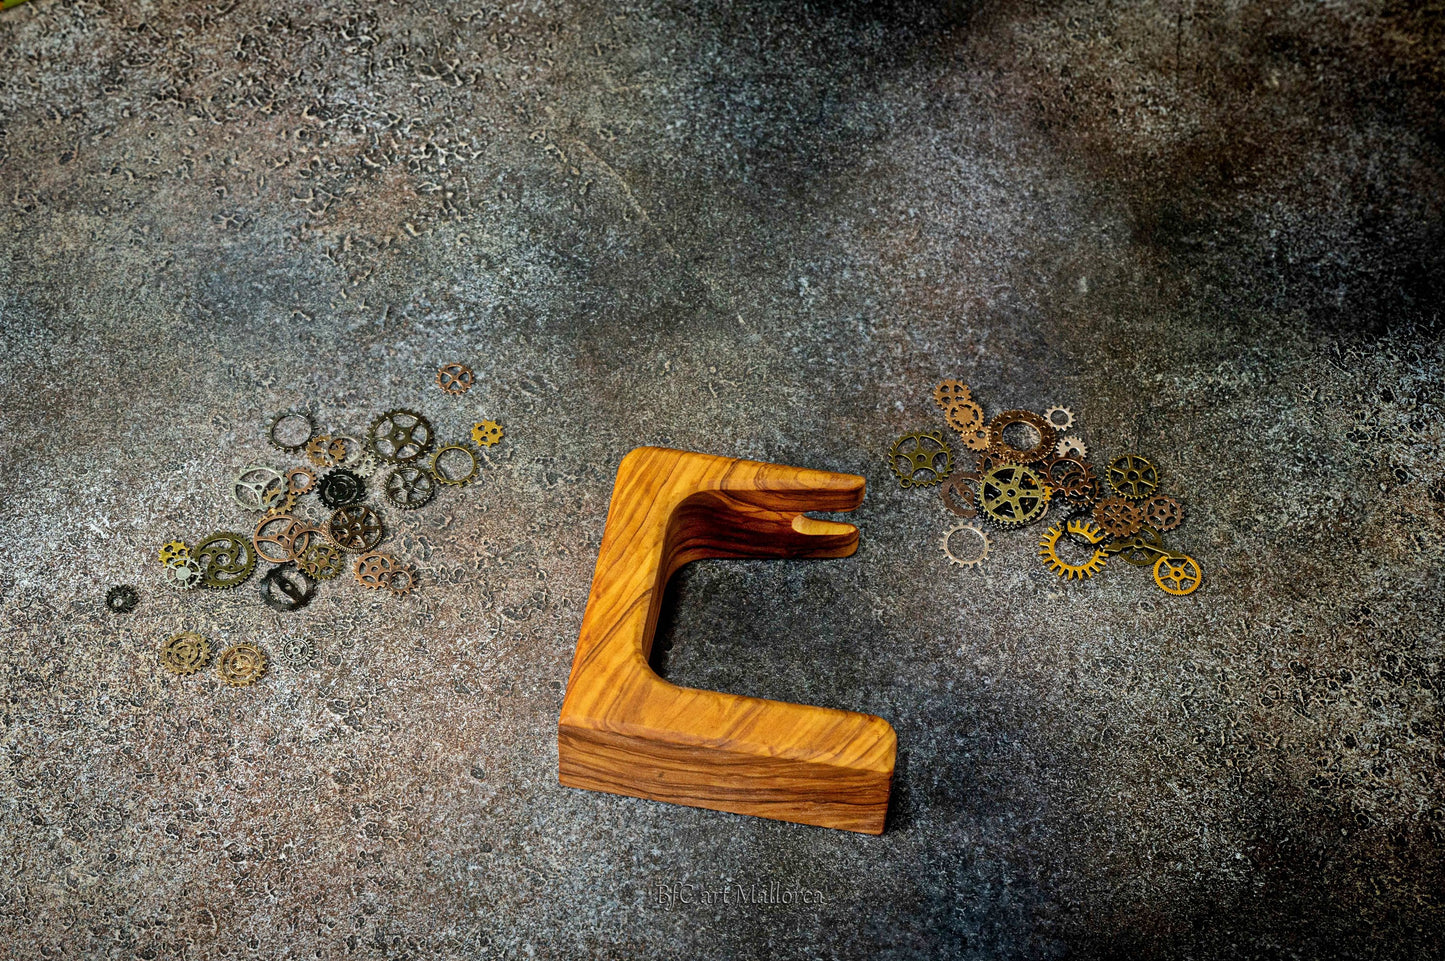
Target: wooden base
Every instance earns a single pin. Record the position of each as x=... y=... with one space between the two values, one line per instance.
x=625 y=730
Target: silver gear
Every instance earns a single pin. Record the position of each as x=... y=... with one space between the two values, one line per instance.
x=1071 y=446
x=966 y=560
x=1059 y=418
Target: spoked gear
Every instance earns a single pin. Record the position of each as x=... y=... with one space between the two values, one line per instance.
x=184 y=573
x=951 y=392
x=320 y=560
x=275 y=538
x=257 y=488
x=400 y=435
x=1059 y=418
x=1163 y=513
x=121 y=599
x=960 y=493
x=226 y=560
x=921 y=459
x=409 y=487
x=297 y=652
x=973 y=547
x=455 y=378
x=1049 y=544
x=1133 y=477
x=1118 y=516
x=1178 y=574
x=486 y=433
x=241 y=664
x=1012 y=495
x=185 y=653
x=326 y=451
x=355 y=528
x=373 y=571
x=286 y=430
x=1007 y=452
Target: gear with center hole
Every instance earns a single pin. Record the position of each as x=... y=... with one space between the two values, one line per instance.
x=1133 y=477
x=298 y=652
x=1118 y=516
x=320 y=560
x=920 y=459
x=1059 y=418
x=121 y=599
x=184 y=573
x=340 y=487
x=1012 y=495
x=275 y=538
x=1163 y=512
x=185 y=653
x=1141 y=548
x=226 y=560
x=1071 y=447
x=1048 y=550
x=173 y=550
x=966 y=418
x=976 y=551
x=960 y=493
x=453 y=477
x=409 y=487
x=300 y=481
x=1178 y=574
x=241 y=664
x=401 y=581
x=373 y=571
x=289 y=437
x=1028 y=420
x=257 y=487
x=399 y=436
x=1072 y=479
x=951 y=392
x=326 y=451
x=355 y=528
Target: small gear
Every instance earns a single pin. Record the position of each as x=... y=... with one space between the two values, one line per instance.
x=300 y=481
x=1059 y=418
x=277 y=500
x=172 y=550
x=226 y=560
x=399 y=436
x=980 y=549
x=1178 y=574
x=1071 y=447
x=1028 y=421
x=960 y=493
x=252 y=489
x=455 y=379
x=121 y=599
x=241 y=664
x=373 y=571
x=185 y=653
x=980 y=440
x=401 y=581
x=951 y=392
x=1133 y=477
x=184 y=573
x=486 y=433
x=286 y=429
x=965 y=417
x=359 y=459
x=1163 y=512
x=326 y=451
x=1049 y=544
x=1012 y=495
x=920 y=459
x=409 y=487
x=297 y=652
x=340 y=487
x=355 y=528
x=1118 y=516
x=287 y=588
x=453 y=477
x=321 y=560
x=1072 y=478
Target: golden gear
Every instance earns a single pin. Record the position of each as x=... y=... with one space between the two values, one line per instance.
x=951 y=392
x=455 y=378
x=453 y=480
x=1133 y=477
x=1071 y=447
x=326 y=451
x=486 y=433
x=241 y=664
x=186 y=653
x=1012 y=495
x=173 y=551
x=920 y=452
x=960 y=493
x=1059 y=418
x=1163 y=513
x=321 y=560
x=300 y=481
x=1178 y=574
x=373 y=571
x=981 y=439
x=1008 y=453
x=965 y=417
x=1048 y=550
x=1118 y=516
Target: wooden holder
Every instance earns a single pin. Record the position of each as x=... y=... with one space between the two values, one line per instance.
x=625 y=730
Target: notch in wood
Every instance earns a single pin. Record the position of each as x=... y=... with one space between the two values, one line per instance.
x=625 y=730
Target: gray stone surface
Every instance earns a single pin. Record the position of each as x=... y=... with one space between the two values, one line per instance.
x=761 y=229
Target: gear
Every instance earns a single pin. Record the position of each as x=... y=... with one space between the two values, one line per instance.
x=320 y=560
x=358 y=458
x=1178 y=574
x=286 y=588
x=980 y=440
x=251 y=490
x=486 y=433
x=226 y=560
x=326 y=451
x=951 y=392
x=355 y=528
x=1118 y=516
x=409 y=487
x=277 y=500
x=455 y=378
x=1071 y=447
x=1133 y=477
x=365 y=465
x=373 y=571
x=241 y=664
x=1141 y=548
x=288 y=437
x=275 y=538
x=399 y=436
x=1059 y=418
x=966 y=417
x=1163 y=513
x=185 y=653
x=1072 y=478
x=1048 y=550
x=300 y=481
x=297 y=652
x=1012 y=495
x=340 y=487
x=173 y=550
x=980 y=549
x=184 y=573
x=453 y=478
x=1007 y=452
x=920 y=453
x=960 y=493
x=121 y=599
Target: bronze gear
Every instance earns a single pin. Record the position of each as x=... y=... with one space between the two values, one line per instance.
x=275 y=538
x=373 y=571
x=241 y=664
x=1012 y=495
x=1048 y=550
x=960 y=493
x=355 y=527
x=1009 y=454
x=185 y=653
x=920 y=453
x=1163 y=512
x=951 y=392
x=1072 y=479
x=1071 y=447
x=1133 y=477
x=455 y=378
x=980 y=440
x=300 y=481
x=966 y=417
x=399 y=436
x=326 y=451
x=1118 y=516
x=409 y=487
x=1178 y=574
x=1059 y=418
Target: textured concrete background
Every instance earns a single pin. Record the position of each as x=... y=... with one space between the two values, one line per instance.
x=759 y=229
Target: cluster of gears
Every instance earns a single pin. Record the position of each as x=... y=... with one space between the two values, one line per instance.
x=239 y=665
x=1024 y=464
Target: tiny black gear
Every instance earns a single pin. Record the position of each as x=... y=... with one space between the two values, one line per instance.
x=340 y=487
x=121 y=599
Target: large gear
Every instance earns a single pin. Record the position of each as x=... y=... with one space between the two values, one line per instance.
x=486 y=433
x=355 y=528
x=121 y=599
x=400 y=436
x=288 y=437
x=241 y=664
x=1049 y=543
x=453 y=477
x=275 y=538
x=1118 y=516
x=409 y=487
x=226 y=560
x=1163 y=512
x=1178 y=574
x=185 y=653
x=1007 y=452
x=1059 y=418
x=1012 y=495
x=979 y=552
x=951 y=392
x=1133 y=477
x=340 y=487
x=960 y=493
x=921 y=459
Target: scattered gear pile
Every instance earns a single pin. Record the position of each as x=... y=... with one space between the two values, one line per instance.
x=1027 y=465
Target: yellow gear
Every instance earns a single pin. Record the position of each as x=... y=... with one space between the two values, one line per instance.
x=1048 y=550
x=486 y=433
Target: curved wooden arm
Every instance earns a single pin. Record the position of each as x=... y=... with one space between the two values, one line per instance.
x=627 y=731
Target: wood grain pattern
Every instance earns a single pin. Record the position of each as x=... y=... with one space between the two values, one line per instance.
x=625 y=730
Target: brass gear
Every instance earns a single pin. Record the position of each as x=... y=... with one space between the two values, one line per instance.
x=241 y=664
x=440 y=474
x=1163 y=512
x=486 y=433
x=455 y=379
x=965 y=417
x=400 y=436
x=226 y=560
x=951 y=392
x=300 y=481
x=1133 y=477
x=173 y=550
x=1048 y=550
x=920 y=452
x=185 y=653
x=1178 y=574
x=321 y=560
x=275 y=538
x=326 y=451
x=980 y=440
x=355 y=528
x=1012 y=495
x=409 y=487
x=1006 y=452
x=1141 y=548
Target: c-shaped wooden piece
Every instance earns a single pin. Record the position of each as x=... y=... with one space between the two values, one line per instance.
x=627 y=731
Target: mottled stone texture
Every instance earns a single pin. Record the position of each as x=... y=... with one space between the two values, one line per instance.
x=762 y=229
